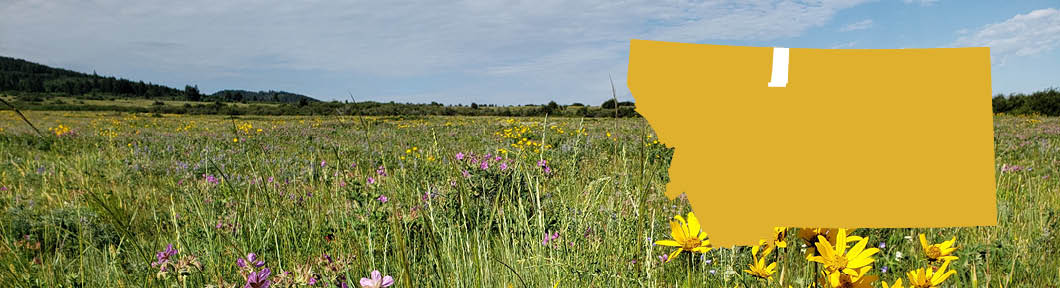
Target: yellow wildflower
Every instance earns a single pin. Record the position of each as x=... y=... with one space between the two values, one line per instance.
x=687 y=236
x=941 y=251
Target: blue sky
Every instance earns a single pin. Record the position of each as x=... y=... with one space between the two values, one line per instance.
x=513 y=52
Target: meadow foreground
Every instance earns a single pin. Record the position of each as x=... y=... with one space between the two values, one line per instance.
x=109 y=199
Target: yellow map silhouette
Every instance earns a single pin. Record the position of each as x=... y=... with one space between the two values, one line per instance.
x=869 y=138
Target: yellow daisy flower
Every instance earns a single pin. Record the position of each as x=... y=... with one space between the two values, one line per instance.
x=687 y=236
x=810 y=237
x=842 y=260
x=838 y=279
x=928 y=277
x=759 y=268
x=780 y=240
x=941 y=251
x=897 y=284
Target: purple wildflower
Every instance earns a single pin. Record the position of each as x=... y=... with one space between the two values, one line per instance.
x=323 y=163
x=381 y=171
x=549 y=238
x=163 y=257
x=504 y=166
x=882 y=245
x=883 y=269
x=484 y=165
x=210 y=179
x=460 y=156
x=466 y=174
x=382 y=199
x=3 y=188
x=371 y=180
x=259 y=279
x=270 y=179
x=1011 y=168
x=377 y=280
x=251 y=259
x=664 y=257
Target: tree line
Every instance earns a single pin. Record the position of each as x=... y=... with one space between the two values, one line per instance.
x=1045 y=102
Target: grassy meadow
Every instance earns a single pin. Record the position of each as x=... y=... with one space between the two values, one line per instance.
x=322 y=201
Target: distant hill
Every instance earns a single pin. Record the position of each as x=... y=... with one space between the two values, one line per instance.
x=19 y=76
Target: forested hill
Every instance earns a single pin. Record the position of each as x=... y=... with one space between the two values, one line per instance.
x=19 y=76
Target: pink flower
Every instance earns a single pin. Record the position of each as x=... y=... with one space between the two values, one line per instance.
x=377 y=280
x=460 y=156
x=371 y=180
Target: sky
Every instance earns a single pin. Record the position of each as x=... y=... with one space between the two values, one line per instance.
x=493 y=52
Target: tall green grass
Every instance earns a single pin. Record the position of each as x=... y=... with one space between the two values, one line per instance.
x=102 y=201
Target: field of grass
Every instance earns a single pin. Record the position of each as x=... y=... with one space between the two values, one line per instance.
x=432 y=202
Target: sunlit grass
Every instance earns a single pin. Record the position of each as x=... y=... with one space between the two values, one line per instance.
x=329 y=198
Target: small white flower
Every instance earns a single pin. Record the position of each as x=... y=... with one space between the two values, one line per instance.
x=898 y=255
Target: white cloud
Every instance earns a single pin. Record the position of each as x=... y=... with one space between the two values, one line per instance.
x=1023 y=35
x=860 y=25
x=568 y=46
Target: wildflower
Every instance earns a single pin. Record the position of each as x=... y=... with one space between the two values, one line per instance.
x=504 y=166
x=381 y=171
x=883 y=269
x=687 y=236
x=252 y=259
x=466 y=174
x=840 y=261
x=382 y=199
x=882 y=245
x=759 y=268
x=259 y=279
x=857 y=280
x=163 y=257
x=323 y=163
x=780 y=237
x=484 y=165
x=664 y=257
x=371 y=180
x=897 y=284
x=942 y=251
x=3 y=188
x=928 y=277
x=810 y=237
x=460 y=156
x=1011 y=168
x=549 y=238
x=377 y=280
